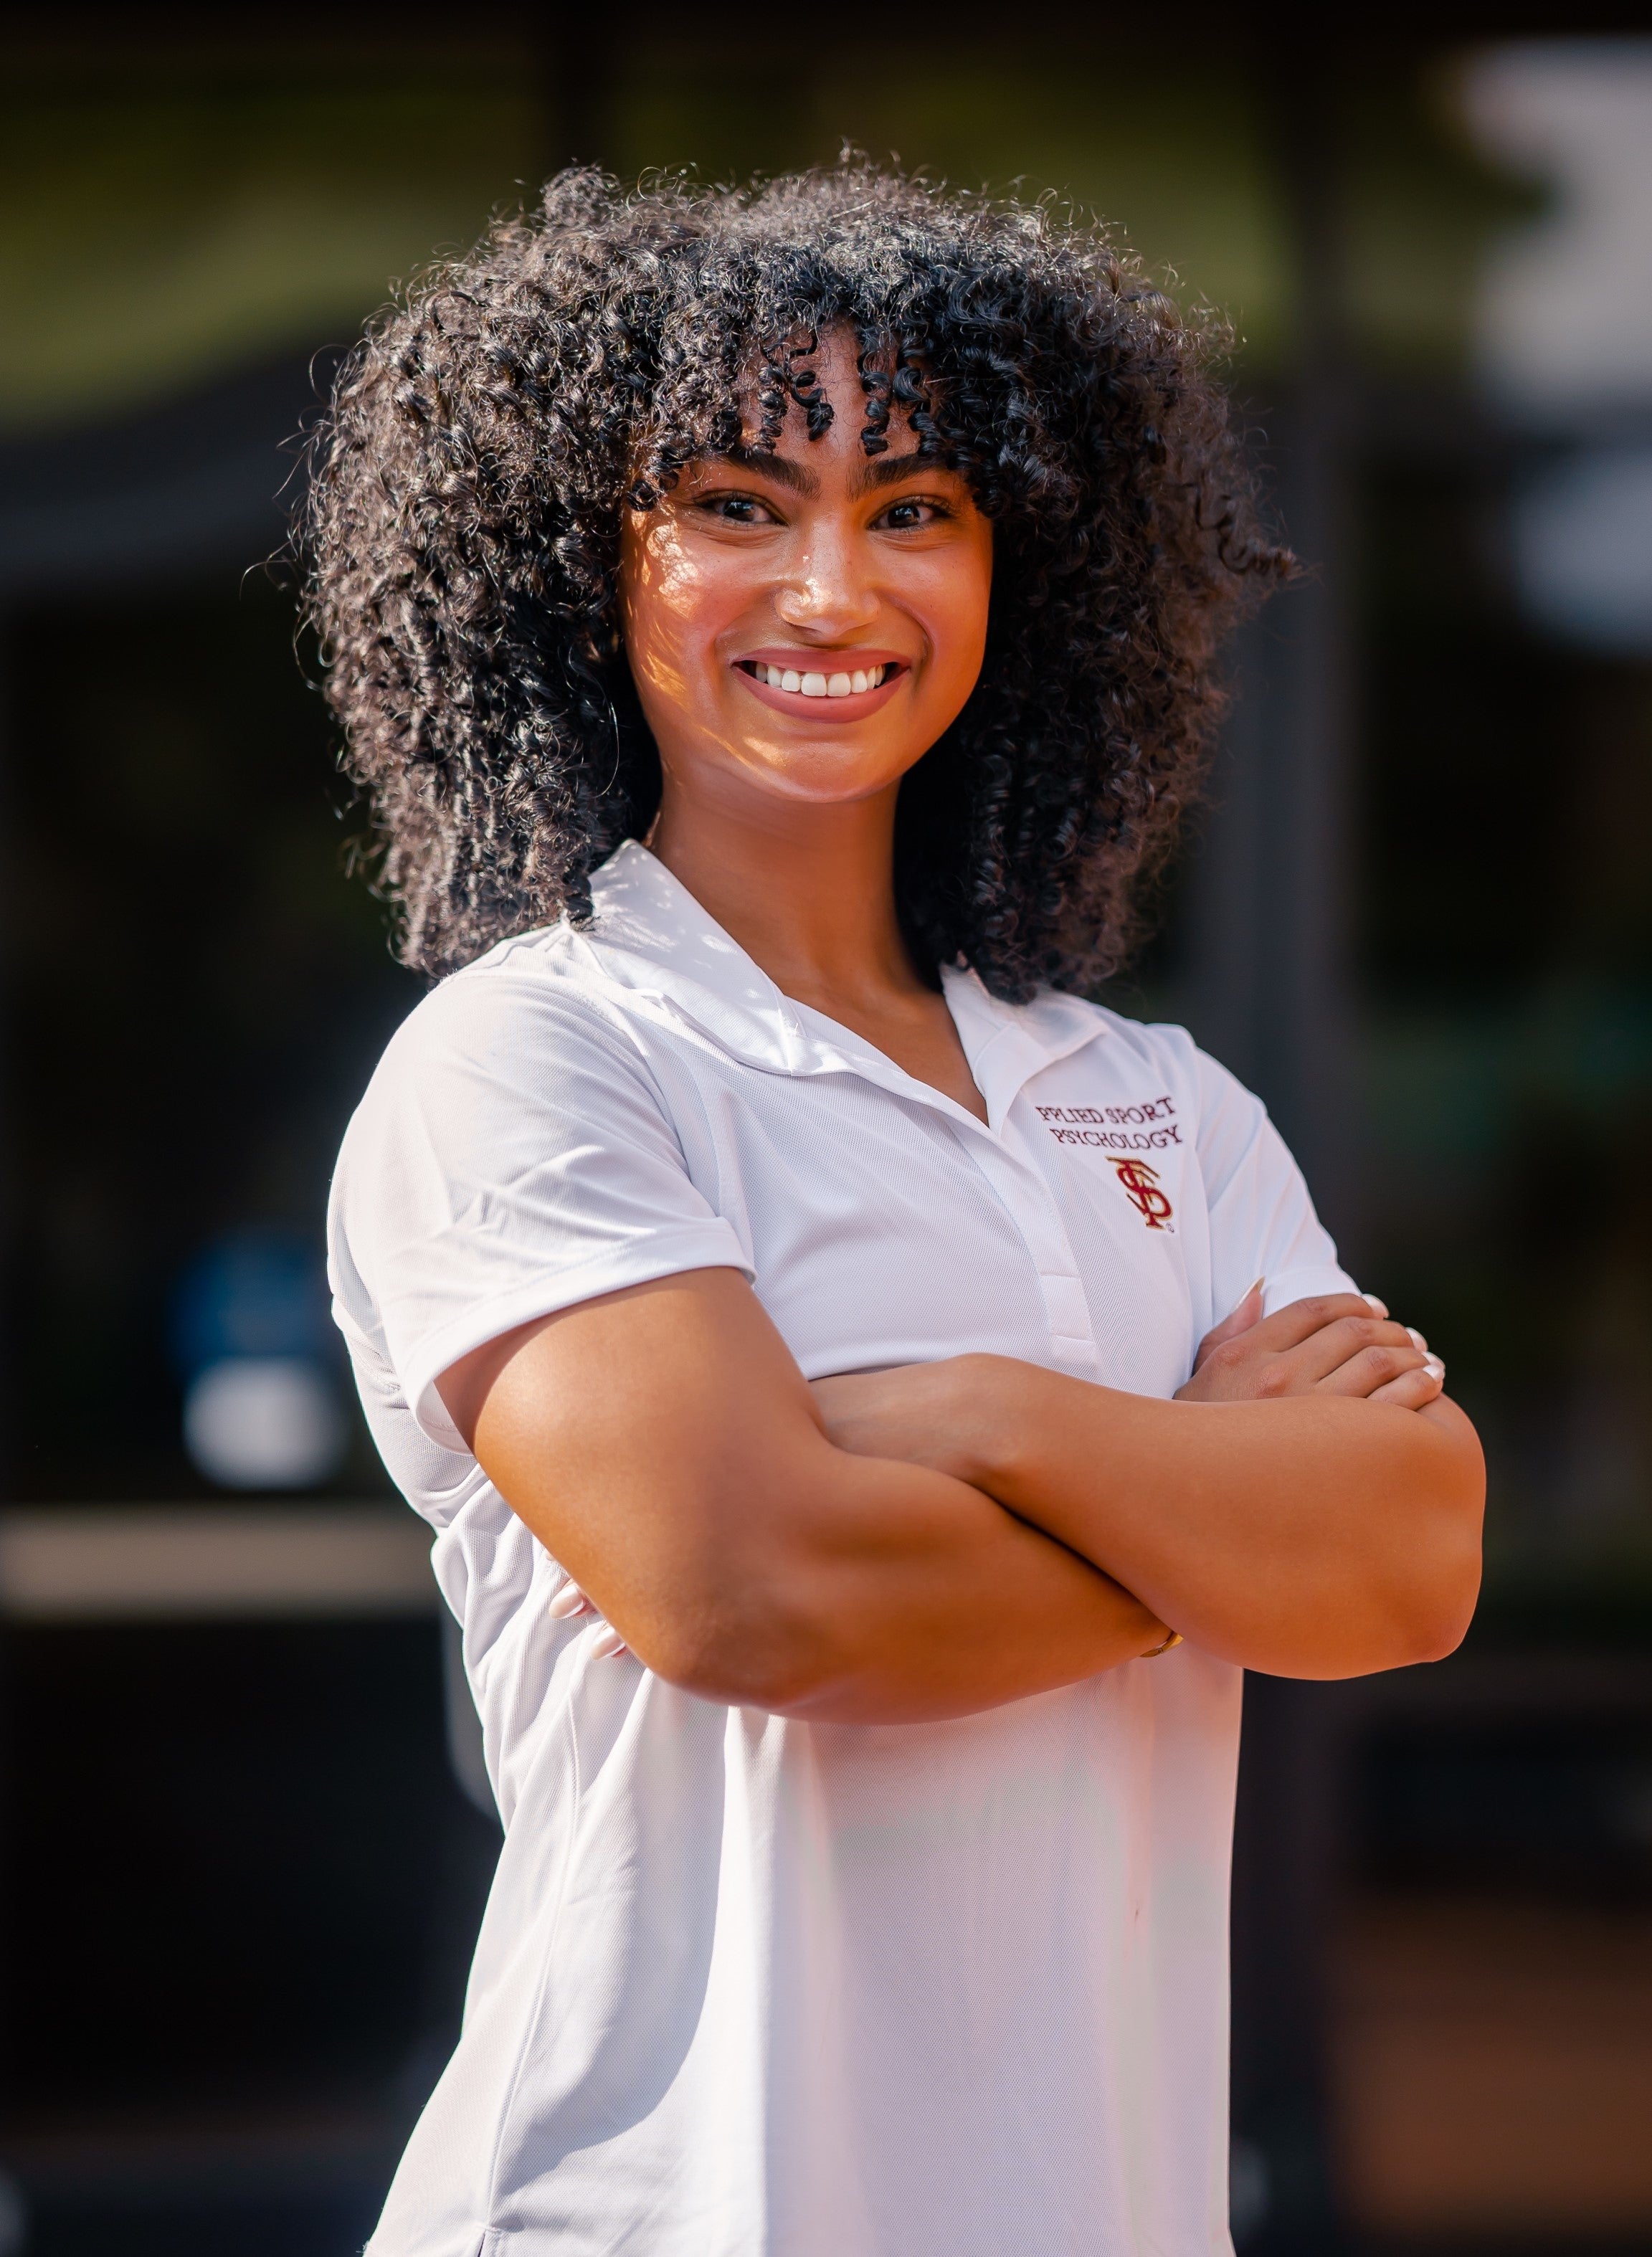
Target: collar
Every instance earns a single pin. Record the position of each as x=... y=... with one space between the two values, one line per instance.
x=650 y=937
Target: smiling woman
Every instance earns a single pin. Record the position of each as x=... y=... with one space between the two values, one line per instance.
x=471 y=493
x=775 y=630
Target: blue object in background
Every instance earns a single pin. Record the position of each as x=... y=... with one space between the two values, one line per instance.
x=252 y=1338
x=261 y=1292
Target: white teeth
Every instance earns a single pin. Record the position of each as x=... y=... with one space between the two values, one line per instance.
x=821 y=685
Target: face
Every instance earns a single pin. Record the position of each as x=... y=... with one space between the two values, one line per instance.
x=805 y=625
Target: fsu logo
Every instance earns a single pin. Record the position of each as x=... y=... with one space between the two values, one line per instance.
x=1141 y=1185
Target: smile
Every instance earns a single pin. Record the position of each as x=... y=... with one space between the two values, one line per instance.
x=814 y=684
x=842 y=685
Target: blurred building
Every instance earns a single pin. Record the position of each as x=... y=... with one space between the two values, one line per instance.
x=239 y=1872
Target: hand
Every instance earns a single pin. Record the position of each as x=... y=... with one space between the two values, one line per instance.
x=1333 y=1344
x=919 y=1413
x=570 y=1600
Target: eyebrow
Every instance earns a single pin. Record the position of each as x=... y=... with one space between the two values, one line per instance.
x=791 y=475
x=876 y=471
x=871 y=473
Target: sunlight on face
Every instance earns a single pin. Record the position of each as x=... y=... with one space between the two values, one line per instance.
x=807 y=624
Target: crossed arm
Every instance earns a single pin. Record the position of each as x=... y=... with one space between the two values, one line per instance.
x=936 y=1540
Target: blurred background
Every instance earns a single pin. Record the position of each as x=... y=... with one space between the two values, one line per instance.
x=243 y=1843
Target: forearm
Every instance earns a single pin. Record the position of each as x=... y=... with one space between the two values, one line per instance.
x=1312 y=1537
x=912 y=1596
x=856 y=1590
x=740 y=1554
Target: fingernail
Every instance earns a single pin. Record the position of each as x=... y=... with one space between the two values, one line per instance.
x=606 y=1643
x=1380 y=1307
x=571 y=1600
x=1433 y=1363
x=1417 y=1339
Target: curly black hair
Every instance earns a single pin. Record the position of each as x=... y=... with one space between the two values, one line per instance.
x=462 y=522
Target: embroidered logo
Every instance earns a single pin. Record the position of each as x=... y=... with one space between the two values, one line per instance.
x=1150 y=1126
x=1141 y=1185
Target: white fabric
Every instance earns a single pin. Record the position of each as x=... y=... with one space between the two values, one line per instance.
x=748 y=1987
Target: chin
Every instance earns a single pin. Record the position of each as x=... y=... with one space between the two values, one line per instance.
x=829 y=777
x=829 y=774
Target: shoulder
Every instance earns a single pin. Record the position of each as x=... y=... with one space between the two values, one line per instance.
x=1122 y=1047
x=529 y=1001
x=517 y=1059
x=545 y=982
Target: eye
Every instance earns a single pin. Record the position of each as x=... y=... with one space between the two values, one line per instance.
x=911 y=514
x=736 y=509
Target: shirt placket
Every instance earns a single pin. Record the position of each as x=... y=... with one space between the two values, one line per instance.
x=1022 y=1192
x=1002 y=1064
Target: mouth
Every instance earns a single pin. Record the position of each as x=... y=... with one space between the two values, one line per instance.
x=824 y=686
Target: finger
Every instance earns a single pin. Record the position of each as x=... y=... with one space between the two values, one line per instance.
x=1247 y=1311
x=1269 y=1358
x=1327 y=1349
x=568 y=1601
x=1373 y=1367
x=1413 y=1389
x=1299 y=1320
x=607 y=1643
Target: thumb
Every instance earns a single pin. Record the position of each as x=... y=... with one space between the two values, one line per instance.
x=1248 y=1312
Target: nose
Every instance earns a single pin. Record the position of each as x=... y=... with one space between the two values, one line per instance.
x=827 y=592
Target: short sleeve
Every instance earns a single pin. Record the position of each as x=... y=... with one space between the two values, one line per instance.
x=1262 y=1220
x=513 y=1155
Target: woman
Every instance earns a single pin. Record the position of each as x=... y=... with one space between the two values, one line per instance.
x=776 y=631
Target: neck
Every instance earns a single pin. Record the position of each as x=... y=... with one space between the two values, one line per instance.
x=808 y=891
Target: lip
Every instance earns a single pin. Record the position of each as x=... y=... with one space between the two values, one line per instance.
x=853 y=708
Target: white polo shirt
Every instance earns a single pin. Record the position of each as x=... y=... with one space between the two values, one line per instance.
x=748 y=1987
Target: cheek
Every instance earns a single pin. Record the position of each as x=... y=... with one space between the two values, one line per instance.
x=953 y=608
x=675 y=602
